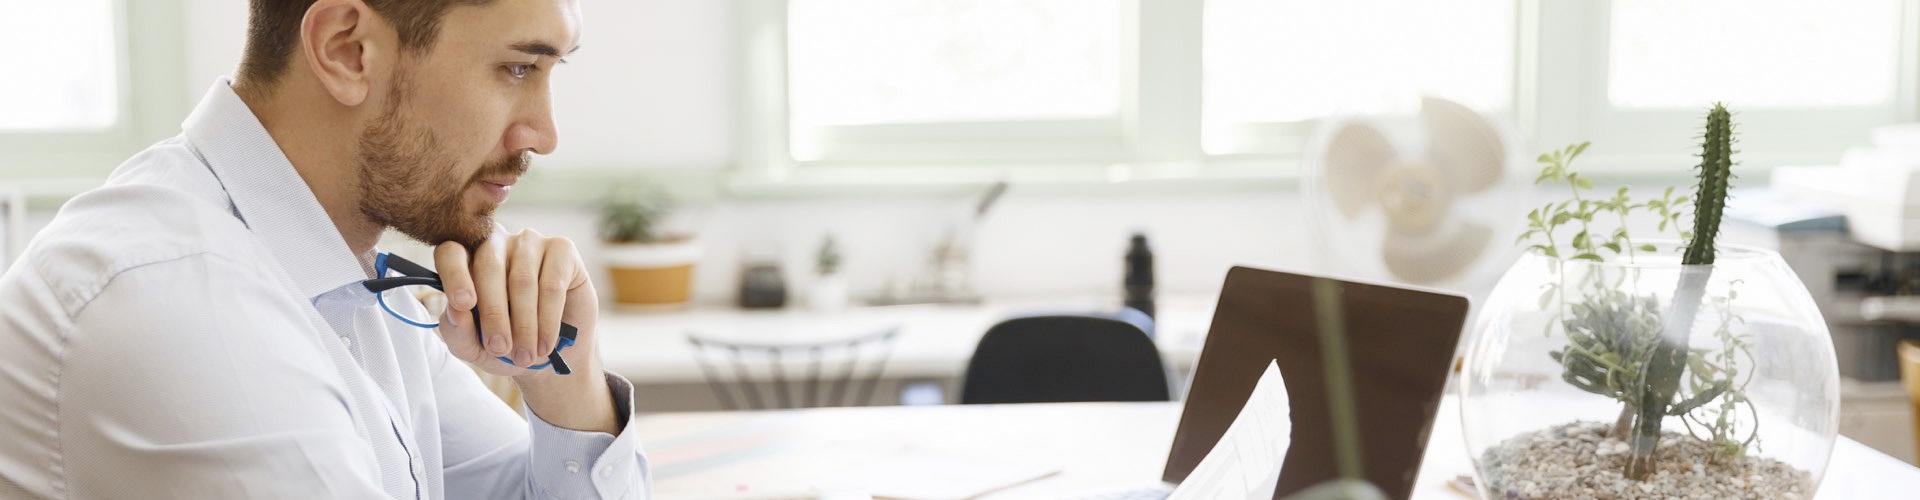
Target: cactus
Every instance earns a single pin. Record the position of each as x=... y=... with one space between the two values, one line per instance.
x=1660 y=375
x=1716 y=169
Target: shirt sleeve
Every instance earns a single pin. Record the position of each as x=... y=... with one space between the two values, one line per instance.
x=191 y=378
x=490 y=453
x=575 y=464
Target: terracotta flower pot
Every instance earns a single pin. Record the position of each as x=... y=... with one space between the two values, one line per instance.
x=653 y=274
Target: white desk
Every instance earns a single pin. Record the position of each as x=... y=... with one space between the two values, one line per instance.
x=1096 y=447
x=935 y=341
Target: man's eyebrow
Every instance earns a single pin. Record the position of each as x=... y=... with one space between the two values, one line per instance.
x=539 y=48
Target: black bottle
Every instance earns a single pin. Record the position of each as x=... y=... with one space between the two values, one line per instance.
x=1139 y=279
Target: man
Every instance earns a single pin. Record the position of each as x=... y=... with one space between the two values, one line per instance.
x=198 y=327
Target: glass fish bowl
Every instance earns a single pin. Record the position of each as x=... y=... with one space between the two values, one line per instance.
x=1639 y=377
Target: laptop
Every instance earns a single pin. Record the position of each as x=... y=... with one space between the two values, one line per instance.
x=1401 y=342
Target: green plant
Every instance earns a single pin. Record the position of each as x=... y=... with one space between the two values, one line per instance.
x=1545 y=222
x=632 y=215
x=827 y=260
x=1619 y=343
x=1721 y=375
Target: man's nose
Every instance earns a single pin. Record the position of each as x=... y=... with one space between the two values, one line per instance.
x=535 y=131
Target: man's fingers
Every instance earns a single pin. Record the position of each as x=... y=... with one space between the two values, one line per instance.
x=450 y=260
x=522 y=287
x=556 y=277
x=456 y=330
x=523 y=295
x=456 y=322
x=490 y=282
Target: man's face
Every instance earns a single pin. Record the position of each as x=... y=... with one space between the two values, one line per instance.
x=460 y=120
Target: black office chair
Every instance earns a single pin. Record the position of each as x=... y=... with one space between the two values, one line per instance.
x=1066 y=358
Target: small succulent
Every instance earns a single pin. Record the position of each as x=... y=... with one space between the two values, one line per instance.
x=632 y=215
x=827 y=260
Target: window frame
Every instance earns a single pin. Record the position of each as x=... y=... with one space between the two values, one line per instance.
x=147 y=41
x=1290 y=140
x=1559 y=97
x=1157 y=121
x=1628 y=140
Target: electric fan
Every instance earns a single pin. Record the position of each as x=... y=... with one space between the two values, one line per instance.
x=1426 y=200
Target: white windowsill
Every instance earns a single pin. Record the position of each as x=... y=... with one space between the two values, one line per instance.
x=577 y=186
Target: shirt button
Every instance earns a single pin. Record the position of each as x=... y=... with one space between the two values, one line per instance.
x=573 y=466
x=606 y=472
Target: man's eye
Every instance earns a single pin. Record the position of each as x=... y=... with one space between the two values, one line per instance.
x=519 y=70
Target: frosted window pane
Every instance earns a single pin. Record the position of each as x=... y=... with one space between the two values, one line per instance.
x=65 y=68
x=916 y=61
x=1753 y=53
x=1292 y=60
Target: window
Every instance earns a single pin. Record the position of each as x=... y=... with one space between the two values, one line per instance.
x=858 y=66
x=1753 y=54
x=66 y=65
x=858 y=62
x=1807 y=79
x=1236 y=87
x=1277 y=61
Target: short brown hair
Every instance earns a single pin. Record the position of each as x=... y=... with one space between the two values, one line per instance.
x=273 y=30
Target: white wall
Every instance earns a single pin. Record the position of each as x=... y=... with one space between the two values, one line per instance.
x=216 y=30
x=652 y=87
x=1031 y=245
x=1036 y=245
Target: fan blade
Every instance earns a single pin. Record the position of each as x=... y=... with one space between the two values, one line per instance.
x=1356 y=154
x=1463 y=145
x=1430 y=261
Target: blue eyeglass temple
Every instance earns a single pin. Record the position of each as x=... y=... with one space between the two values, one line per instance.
x=414 y=274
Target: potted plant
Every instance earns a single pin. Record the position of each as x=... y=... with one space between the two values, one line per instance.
x=829 y=292
x=1606 y=366
x=649 y=267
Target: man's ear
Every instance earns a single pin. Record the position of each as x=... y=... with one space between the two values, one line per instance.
x=337 y=38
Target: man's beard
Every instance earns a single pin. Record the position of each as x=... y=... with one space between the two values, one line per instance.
x=410 y=183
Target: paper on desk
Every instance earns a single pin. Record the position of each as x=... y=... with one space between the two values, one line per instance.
x=929 y=475
x=894 y=471
x=1246 y=461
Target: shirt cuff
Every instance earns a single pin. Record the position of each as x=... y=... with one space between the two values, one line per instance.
x=575 y=464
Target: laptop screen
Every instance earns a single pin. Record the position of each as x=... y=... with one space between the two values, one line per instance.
x=1400 y=343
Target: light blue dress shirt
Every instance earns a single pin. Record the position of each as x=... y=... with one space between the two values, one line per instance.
x=195 y=329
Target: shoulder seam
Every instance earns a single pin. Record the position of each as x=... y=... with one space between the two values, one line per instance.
x=93 y=291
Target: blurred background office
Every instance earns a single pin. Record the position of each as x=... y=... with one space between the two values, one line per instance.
x=768 y=187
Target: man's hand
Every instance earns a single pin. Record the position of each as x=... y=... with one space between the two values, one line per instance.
x=524 y=286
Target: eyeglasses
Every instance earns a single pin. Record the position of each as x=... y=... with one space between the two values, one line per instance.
x=412 y=274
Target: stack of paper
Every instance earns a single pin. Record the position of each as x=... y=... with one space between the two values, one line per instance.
x=1246 y=461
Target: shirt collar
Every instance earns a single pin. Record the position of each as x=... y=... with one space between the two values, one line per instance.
x=268 y=195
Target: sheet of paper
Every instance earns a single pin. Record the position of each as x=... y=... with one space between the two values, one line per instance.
x=902 y=471
x=1246 y=461
x=930 y=475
